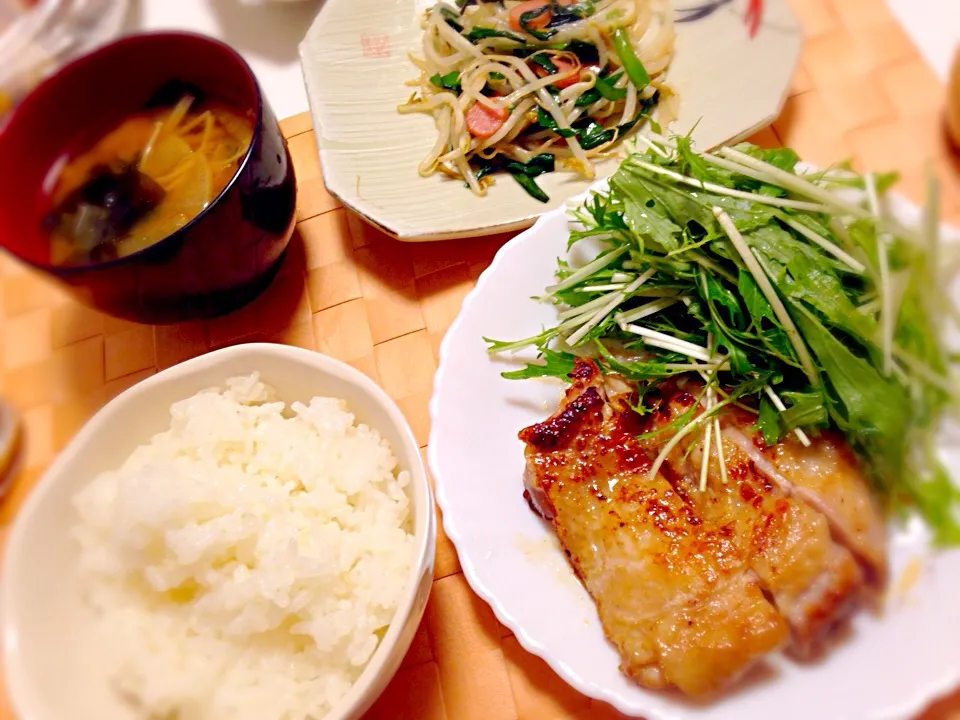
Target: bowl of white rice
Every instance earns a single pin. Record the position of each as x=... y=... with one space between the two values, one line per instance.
x=247 y=535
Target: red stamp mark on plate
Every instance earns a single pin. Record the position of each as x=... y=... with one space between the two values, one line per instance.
x=375 y=46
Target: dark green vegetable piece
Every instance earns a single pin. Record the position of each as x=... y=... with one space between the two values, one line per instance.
x=605 y=87
x=481 y=33
x=529 y=184
x=565 y=14
x=452 y=19
x=546 y=121
x=628 y=58
x=587 y=52
x=531 y=15
x=103 y=209
x=594 y=134
x=588 y=98
x=450 y=81
x=543 y=60
x=523 y=173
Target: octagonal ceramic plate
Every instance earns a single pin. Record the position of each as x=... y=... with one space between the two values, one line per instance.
x=355 y=64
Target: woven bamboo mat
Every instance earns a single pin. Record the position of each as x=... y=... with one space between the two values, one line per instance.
x=345 y=289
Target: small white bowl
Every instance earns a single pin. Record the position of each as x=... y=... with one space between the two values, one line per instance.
x=54 y=665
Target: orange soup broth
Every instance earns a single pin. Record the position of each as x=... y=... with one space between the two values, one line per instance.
x=193 y=165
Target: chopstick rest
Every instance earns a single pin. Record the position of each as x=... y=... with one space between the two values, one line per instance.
x=953 y=101
x=9 y=442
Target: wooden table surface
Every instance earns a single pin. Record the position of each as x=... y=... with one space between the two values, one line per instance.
x=861 y=91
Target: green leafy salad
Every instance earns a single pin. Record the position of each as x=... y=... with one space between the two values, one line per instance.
x=793 y=293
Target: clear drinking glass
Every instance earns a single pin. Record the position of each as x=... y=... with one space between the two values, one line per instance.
x=38 y=36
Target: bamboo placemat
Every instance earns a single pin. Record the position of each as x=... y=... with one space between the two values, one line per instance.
x=347 y=290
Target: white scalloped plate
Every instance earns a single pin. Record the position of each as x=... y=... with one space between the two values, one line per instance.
x=355 y=65
x=888 y=669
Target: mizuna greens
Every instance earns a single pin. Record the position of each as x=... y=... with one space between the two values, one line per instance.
x=794 y=294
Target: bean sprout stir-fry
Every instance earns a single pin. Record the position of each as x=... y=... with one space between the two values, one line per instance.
x=527 y=87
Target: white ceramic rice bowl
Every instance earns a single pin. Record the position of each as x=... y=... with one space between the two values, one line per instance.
x=54 y=665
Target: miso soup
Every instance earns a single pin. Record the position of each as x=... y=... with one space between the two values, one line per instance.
x=143 y=180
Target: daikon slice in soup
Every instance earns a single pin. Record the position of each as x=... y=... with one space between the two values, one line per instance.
x=143 y=180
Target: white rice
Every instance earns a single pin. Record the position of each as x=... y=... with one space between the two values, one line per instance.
x=247 y=561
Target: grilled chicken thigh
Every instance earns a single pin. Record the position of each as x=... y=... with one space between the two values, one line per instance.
x=826 y=477
x=695 y=587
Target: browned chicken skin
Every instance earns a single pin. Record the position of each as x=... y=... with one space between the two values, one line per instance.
x=696 y=587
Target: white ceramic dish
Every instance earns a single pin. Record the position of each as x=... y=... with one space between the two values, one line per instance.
x=53 y=663
x=355 y=65
x=889 y=668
